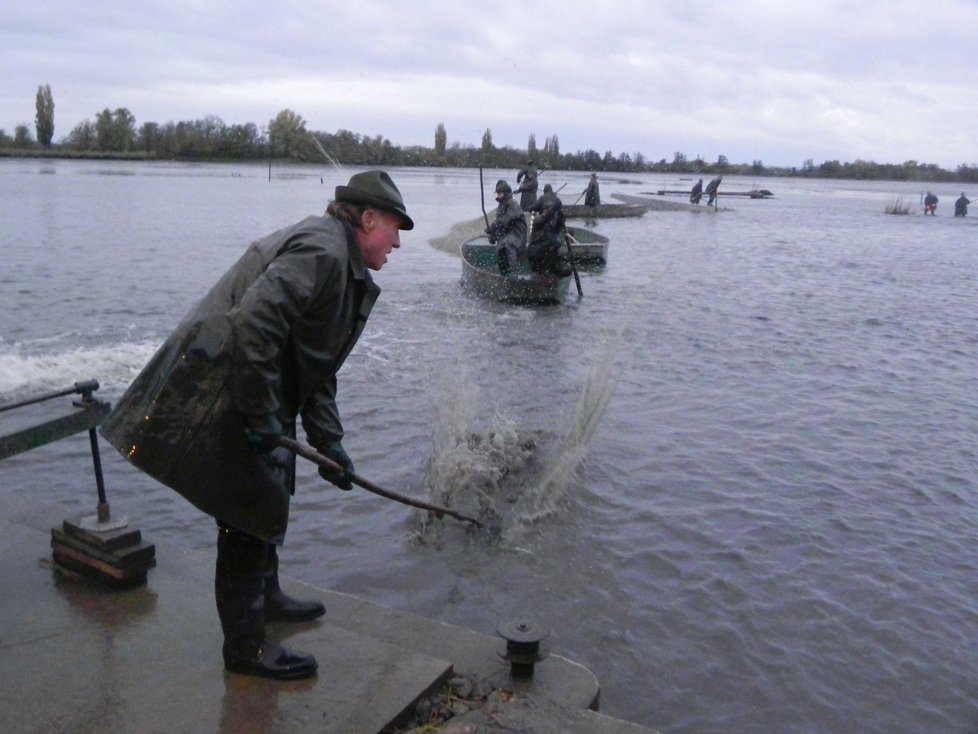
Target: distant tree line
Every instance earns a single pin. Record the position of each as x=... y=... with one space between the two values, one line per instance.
x=114 y=133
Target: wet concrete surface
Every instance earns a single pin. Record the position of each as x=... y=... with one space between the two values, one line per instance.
x=76 y=656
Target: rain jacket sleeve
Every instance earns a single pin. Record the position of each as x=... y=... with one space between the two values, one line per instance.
x=321 y=418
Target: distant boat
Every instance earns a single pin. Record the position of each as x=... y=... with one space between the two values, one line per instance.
x=665 y=204
x=580 y=211
x=753 y=193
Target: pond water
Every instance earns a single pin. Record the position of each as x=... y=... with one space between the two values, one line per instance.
x=737 y=478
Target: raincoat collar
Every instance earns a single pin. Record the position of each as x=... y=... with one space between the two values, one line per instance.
x=357 y=266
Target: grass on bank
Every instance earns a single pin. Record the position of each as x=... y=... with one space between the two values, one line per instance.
x=898 y=206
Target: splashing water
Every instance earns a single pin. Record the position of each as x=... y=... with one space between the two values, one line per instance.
x=544 y=498
x=327 y=156
x=23 y=373
x=467 y=467
x=508 y=477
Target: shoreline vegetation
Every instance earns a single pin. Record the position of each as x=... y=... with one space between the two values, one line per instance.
x=861 y=170
x=113 y=135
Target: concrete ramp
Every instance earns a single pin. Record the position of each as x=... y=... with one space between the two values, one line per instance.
x=76 y=656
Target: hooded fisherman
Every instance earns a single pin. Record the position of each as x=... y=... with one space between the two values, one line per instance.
x=527 y=182
x=508 y=229
x=260 y=350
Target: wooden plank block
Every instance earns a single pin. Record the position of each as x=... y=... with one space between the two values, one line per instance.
x=76 y=557
x=109 y=540
x=141 y=554
x=69 y=563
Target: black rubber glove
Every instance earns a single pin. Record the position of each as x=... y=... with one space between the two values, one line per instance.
x=344 y=480
x=262 y=432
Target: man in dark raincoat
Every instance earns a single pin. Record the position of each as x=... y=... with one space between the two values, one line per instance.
x=961 y=206
x=592 y=194
x=712 y=189
x=696 y=193
x=259 y=350
x=508 y=229
x=527 y=182
x=930 y=204
x=547 y=235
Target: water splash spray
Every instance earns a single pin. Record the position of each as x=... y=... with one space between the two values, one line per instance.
x=468 y=466
x=114 y=366
x=327 y=156
x=569 y=453
x=505 y=475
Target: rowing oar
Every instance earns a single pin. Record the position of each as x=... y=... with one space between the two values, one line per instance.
x=570 y=259
x=307 y=452
x=482 y=195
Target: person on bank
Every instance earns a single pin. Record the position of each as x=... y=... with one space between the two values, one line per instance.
x=696 y=193
x=711 y=190
x=547 y=235
x=592 y=194
x=527 y=183
x=930 y=204
x=261 y=349
x=961 y=206
x=508 y=229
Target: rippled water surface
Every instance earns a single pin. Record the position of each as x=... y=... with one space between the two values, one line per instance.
x=737 y=478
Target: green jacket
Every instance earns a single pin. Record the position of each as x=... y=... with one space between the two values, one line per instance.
x=509 y=226
x=266 y=342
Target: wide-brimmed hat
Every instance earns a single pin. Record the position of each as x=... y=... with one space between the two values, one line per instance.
x=376 y=189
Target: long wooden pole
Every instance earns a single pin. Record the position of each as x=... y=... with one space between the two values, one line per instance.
x=570 y=259
x=307 y=452
x=482 y=196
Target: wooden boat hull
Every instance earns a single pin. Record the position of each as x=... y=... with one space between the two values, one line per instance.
x=579 y=211
x=481 y=276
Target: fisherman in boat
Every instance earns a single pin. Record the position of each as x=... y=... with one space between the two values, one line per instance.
x=930 y=204
x=592 y=194
x=711 y=190
x=508 y=230
x=696 y=193
x=262 y=348
x=547 y=235
x=961 y=206
x=527 y=190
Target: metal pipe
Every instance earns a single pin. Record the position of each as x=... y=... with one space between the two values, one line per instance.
x=104 y=514
x=86 y=387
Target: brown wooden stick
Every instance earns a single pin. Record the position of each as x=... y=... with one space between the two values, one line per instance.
x=482 y=194
x=307 y=452
x=570 y=259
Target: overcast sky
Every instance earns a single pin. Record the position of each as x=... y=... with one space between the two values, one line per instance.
x=779 y=81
